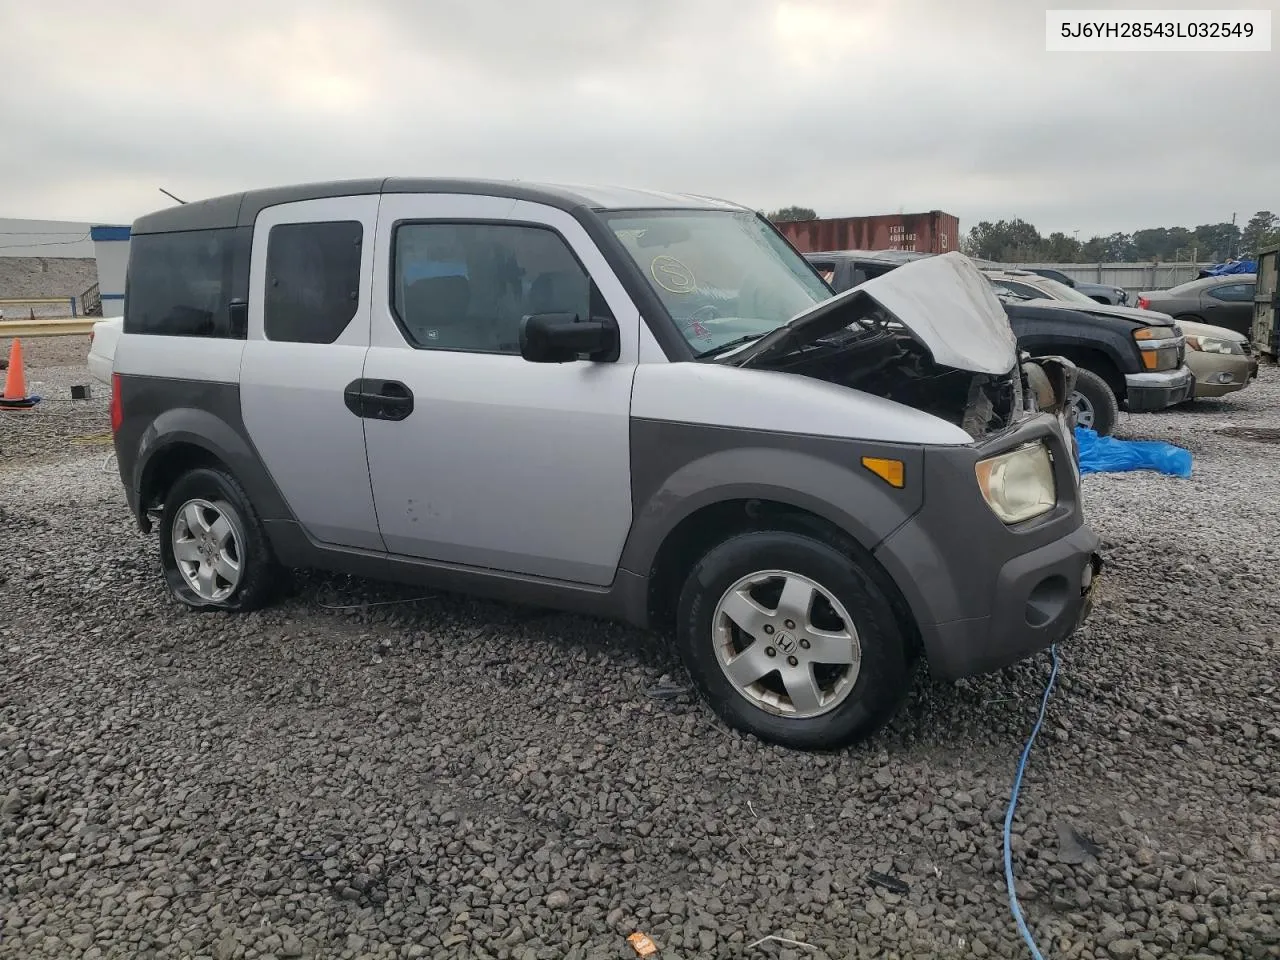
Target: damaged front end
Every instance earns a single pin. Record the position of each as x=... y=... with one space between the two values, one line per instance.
x=929 y=335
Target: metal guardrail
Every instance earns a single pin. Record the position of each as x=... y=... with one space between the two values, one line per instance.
x=59 y=327
x=71 y=302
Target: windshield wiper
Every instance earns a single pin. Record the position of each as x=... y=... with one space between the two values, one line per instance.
x=714 y=351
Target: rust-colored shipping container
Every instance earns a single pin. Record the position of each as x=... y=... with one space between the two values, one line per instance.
x=932 y=232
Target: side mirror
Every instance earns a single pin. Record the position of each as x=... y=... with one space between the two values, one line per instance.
x=563 y=338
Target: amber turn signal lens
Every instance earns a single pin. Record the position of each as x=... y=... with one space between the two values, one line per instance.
x=892 y=472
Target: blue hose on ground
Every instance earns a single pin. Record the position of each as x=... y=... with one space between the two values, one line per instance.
x=1013 y=806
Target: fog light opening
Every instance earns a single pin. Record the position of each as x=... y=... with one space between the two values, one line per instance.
x=1047 y=600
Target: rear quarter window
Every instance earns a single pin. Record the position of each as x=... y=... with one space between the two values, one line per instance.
x=313 y=280
x=180 y=284
x=1233 y=292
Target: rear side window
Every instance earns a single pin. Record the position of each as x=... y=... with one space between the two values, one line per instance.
x=179 y=284
x=313 y=280
x=1233 y=292
x=468 y=286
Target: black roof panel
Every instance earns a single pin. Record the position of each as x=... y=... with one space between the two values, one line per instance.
x=242 y=209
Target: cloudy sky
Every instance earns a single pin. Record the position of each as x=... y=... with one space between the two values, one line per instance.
x=847 y=106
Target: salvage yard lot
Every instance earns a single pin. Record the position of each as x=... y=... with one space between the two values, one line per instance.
x=355 y=772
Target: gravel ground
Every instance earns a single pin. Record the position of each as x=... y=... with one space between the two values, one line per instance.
x=346 y=775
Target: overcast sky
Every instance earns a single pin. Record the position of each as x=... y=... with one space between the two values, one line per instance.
x=847 y=106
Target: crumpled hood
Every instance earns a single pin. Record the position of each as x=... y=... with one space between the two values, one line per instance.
x=944 y=302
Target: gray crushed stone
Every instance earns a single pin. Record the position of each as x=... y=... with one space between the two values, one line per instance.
x=343 y=777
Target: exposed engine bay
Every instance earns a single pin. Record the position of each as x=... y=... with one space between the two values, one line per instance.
x=876 y=355
x=930 y=335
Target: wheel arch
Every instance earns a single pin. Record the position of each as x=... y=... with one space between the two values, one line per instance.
x=1100 y=362
x=701 y=528
x=184 y=438
x=163 y=468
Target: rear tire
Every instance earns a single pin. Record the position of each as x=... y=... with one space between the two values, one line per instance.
x=213 y=550
x=1094 y=403
x=813 y=675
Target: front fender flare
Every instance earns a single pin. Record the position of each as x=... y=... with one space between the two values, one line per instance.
x=844 y=494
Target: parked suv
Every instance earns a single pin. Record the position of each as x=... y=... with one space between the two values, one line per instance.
x=621 y=403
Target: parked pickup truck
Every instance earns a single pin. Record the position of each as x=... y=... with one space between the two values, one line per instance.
x=1121 y=361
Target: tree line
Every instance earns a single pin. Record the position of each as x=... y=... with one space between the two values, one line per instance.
x=1016 y=241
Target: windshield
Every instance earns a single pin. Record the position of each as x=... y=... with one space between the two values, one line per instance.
x=722 y=275
x=1060 y=291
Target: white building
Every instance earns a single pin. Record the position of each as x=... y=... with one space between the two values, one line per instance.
x=111 y=250
x=52 y=268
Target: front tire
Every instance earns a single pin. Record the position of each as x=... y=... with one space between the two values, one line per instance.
x=213 y=549
x=790 y=639
x=1094 y=403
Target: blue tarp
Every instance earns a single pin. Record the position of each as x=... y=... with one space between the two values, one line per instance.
x=1112 y=455
x=1223 y=269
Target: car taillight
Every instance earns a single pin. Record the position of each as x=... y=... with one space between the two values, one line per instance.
x=1144 y=303
x=117 y=408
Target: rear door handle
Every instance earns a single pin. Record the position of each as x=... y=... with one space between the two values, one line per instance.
x=378 y=399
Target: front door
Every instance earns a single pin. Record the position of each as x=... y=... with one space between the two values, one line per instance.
x=491 y=461
x=310 y=283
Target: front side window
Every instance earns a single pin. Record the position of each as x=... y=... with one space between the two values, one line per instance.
x=1233 y=292
x=722 y=275
x=468 y=286
x=179 y=284
x=313 y=280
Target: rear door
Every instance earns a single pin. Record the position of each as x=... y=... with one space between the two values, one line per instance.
x=489 y=460
x=310 y=286
x=1230 y=305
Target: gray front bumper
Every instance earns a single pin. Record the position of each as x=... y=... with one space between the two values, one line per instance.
x=1156 y=391
x=984 y=594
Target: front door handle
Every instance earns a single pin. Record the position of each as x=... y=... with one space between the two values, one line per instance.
x=378 y=399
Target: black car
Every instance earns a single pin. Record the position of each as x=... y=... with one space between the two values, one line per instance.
x=1134 y=363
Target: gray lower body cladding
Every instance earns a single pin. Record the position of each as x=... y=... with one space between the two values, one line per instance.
x=981 y=594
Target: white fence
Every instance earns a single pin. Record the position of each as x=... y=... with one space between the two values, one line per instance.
x=1130 y=277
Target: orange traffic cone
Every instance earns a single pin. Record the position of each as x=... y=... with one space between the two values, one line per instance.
x=15 y=383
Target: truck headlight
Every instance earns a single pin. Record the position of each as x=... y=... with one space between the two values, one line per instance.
x=1018 y=485
x=1160 y=347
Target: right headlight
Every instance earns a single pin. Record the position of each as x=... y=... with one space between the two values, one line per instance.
x=1018 y=485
